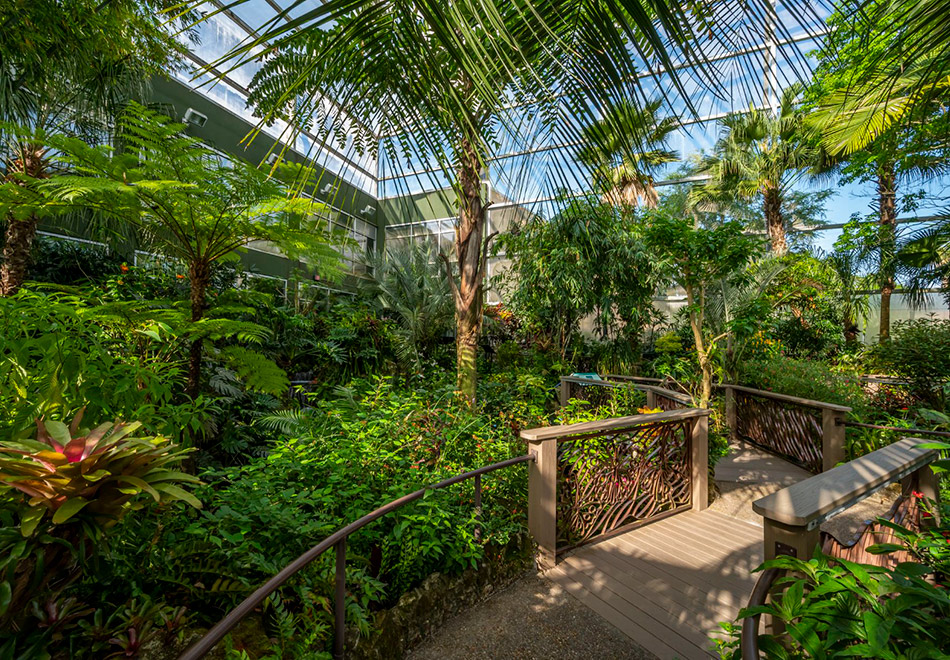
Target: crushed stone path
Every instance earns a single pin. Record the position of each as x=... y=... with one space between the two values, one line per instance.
x=533 y=619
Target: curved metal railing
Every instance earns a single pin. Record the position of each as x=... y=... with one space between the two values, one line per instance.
x=337 y=540
x=749 y=641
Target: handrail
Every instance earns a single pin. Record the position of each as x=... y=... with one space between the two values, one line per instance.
x=656 y=389
x=900 y=429
x=615 y=424
x=749 y=640
x=809 y=503
x=809 y=403
x=337 y=540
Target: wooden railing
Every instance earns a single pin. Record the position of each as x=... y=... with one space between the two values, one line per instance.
x=792 y=516
x=808 y=433
x=596 y=391
x=602 y=478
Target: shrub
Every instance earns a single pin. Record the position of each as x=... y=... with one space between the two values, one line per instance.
x=805 y=379
x=833 y=608
x=373 y=442
x=920 y=352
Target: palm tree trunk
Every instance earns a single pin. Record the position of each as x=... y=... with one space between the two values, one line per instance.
x=29 y=159
x=469 y=251
x=773 y=217
x=16 y=253
x=199 y=273
x=887 y=240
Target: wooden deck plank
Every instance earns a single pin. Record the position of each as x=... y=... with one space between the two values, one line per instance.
x=668 y=584
x=659 y=599
x=719 y=571
x=643 y=637
x=632 y=616
x=627 y=567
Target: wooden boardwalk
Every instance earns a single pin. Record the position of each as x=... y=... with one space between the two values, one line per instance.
x=667 y=585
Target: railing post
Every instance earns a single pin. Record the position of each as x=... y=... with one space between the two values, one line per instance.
x=782 y=539
x=542 y=500
x=832 y=438
x=565 y=391
x=699 y=459
x=731 y=412
x=339 y=632
x=651 y=399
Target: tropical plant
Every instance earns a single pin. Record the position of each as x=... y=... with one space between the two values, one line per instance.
x=448 y=85
x=760 y=153
x=586 y=260
x=855 y=307
x=918 y=352
x=409 y=285
x=695 y=259
x=625 y=150
x=60 y=75
x=858 y=44
x=185 y=201
x=925 y=259
x=74 y=484
x=837 y=608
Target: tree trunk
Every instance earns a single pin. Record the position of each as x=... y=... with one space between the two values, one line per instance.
x=29 y=159
x=200 y=276
x=16 y=253
x=887 y=241
x=696 y=325
x=470 y=252
x=772 y=204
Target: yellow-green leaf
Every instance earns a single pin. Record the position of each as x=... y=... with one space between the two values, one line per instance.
x=68 y=510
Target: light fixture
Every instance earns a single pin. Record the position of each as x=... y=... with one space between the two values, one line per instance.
x=195 y=118
x=272 y=158
x=326 y=189
x=369 y=210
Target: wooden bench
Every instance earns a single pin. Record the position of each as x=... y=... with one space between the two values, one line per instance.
x=793 y=515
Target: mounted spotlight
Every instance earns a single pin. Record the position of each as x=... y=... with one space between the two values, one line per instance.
x=195 y=118
x=272 y=158
x=369 y=210
x=326 y=189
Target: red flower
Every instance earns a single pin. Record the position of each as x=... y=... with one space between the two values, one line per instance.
x=124 y=268
x=180 y=277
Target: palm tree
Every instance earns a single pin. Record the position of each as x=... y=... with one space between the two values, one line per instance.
x=925 y=257
x=69 y=70
x=625 y=150
x=409 y=285
x=760 y=153
x=448 y=84
x=855 y=307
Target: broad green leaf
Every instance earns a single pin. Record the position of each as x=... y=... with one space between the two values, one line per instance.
x=68 y=510
x=31 y=519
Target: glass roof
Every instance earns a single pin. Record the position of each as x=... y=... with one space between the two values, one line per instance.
x=525 y=170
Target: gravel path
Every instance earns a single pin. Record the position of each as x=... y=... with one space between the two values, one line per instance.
x=532 y=619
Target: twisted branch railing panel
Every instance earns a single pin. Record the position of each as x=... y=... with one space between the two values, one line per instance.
x=611 y=481
x=794 y=432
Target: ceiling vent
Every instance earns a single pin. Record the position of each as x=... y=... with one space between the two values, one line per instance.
x=195 y=118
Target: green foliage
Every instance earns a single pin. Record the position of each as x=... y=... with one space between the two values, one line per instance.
x=918 y=352
x=374 y=441
x=409 y=286
x=61 y=352
x=805 y=379
x=62 y=494
x=586 y=260
x=836 y=608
